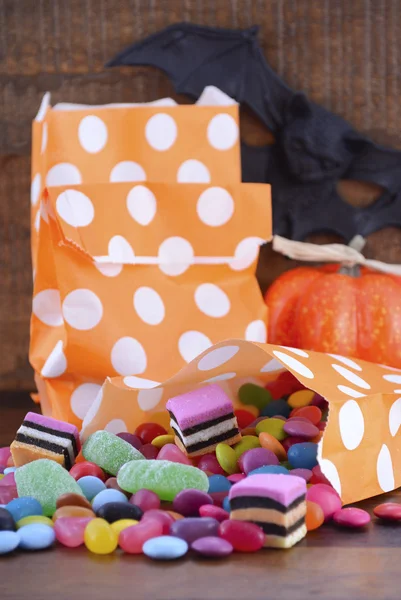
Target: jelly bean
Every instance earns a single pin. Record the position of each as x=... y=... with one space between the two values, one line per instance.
x=5 y=454
x=270 y=443
x=86 y=469
x=209 y=463
x=165 y=548
x=218 y=497
x=304 y=429
x=243 y=536
x=304 y=473
x=235 y=477
x=255 y=395
x=318 y=476
x=119 y=526
x=290 y=441
x=72 y=500
x=132 y=539
x=162 y=517
x=109 y=451
x=192 y=528
x=255 y=458
x=326 y=497
x=149 y=451
x=8 y=479
x=247 y=443
x=163 y=477
x=9 y=541
x=244 y=418
x=214 y=547
x=147 y=432
x=303 y=456
x=132 y=439
x=351 y=517
x=36 y=536
x=7 y=522
x=389 y=511
x=145 y=500
x=314 y=516
x=300 y=398
x=312 y=413
x=7 y=493
x=210 y=510
x=70 y=530
x=218 y=483
x=111 y=484
x=115 y=511
x=73 y=511
x=188 y=502
x=91 y=486
x=226 y=504
x=99 y=537
x=269 y=469
x=107 y=496
x=273 y=426
x=276 y=407
x=24 y=507
x=172 y=453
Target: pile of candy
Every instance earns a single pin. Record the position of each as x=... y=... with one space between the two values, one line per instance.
x=219 y=481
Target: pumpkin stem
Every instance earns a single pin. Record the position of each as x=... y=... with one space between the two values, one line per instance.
x=351 y=270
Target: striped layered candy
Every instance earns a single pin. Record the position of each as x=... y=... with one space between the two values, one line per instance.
x=274 y=502
x=44 y=437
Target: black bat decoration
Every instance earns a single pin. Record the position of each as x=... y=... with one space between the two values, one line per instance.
x=314 y=148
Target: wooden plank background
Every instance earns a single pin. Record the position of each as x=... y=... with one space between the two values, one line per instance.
x=344 y=53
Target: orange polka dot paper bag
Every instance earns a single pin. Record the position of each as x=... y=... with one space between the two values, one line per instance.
x=360 y=452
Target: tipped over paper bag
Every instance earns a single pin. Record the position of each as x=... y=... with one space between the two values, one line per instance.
x=360 y=452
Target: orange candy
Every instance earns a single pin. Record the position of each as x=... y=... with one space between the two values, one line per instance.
x=312 y=413
x=270 y=443
x=248 y=431
x=73 y=511
x=314 y=516
x=70 y=499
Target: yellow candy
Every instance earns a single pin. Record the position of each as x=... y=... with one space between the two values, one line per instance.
x=247 y=443
x=1 y=476
x=99 y=537
x=162 y=440
x=272 y=426
x=34 y=519
x=121 y=524
x=227 y=458
x=300 y=398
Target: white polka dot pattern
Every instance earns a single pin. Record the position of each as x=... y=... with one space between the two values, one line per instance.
x=351 y=377
x=394 y=417
x=128 y=357
x=127 y=170
x=92 y=134
x=75 y=208
x=56 y=362
x=212 y=300
x=149 y=306
x=82 y=309
x=385 y=473
x=193 y=171
x=294 y=364
x=141 y=204
x=83 y=398
x=222 y=132
x=63 y=174
x=161 y=131
x=46 y=307
x=193 y=343
x=215 y=206
x=116 y=426
x=352 y=425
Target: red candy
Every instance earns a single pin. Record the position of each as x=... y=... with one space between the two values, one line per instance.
x=351 y=517
x=147 y=432
x=243 y=536
x=389 y=511
x=210 y=464
x=146 y=500
x=312 y=413
x=5 y=454
x=218 y=497
x=149 y=451
x=210 y=510
x=132 y=539
x=318 y=477
x=244 y=418
x=70 y=530
x=83 y=469
x=326 y=497
x=162 y=517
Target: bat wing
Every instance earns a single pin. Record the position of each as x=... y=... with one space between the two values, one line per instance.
x=385 y=212
x=379 y=165
x=194 y=57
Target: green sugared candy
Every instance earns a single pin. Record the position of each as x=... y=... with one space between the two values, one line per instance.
x=272 y=426
x=247 y=443
x=109 y=452
x=254 y=395
x=227 y=458
x=163 y=477
x=45 y=480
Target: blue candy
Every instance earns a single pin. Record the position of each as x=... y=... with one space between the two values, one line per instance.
x=165 y=547
x=269 y=469
x=303 y=456
x=9 y=541
x=218 y=483
x=8 y=470
x=91 y=486
x=226 y=504
x=277 y=407
x=36 y=536
x=24 y=507
x=106 y=496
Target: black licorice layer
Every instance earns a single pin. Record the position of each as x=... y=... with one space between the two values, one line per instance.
x=50 y=446
x=204 y=425
x=261 y=502
x=210 y=442
x=57 y=432
x=280 y=530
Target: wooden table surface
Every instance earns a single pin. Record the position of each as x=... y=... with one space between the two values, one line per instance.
x=330 y=564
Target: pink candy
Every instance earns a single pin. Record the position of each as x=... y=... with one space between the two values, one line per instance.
x=132 y=539
x=174 y=454
x=256 y=457
x=146 y=500
x=4 y=456
x=8 y=493
x=351 y=517
x=216 y=512
x=326 y=497
x=208 y=462
x=70 y=530
x=8 y=479
x=160 y=516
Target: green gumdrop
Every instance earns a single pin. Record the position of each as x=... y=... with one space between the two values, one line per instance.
x=255 y=395
x=163 y=477
x=247 y=443
x=109 y=452
x=272 y=426
x=45 y=480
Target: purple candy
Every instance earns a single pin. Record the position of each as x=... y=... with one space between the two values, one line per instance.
x=2 y=469
x=193 y=528
x=319 y=401
x=301 y=429
x=214 y=547
x=351 y=517
x=132 y=439
x=304 y=473
x=149 y=451
x=255 y=458
x=188 y=502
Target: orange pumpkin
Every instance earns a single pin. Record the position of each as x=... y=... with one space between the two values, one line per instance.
x=349 y=311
